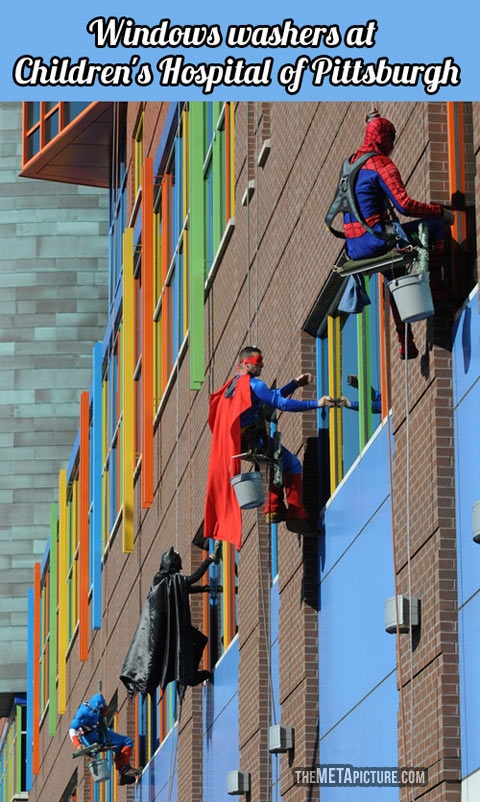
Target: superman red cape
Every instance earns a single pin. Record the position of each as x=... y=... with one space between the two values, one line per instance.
x=223 y=517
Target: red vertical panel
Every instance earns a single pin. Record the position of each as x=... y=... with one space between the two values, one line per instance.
x=147 y=333
x=83 y=551
x=36 y=671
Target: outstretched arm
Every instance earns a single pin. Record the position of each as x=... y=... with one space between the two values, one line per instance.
x=275 y=398
x=215 y=558
x=393 y=186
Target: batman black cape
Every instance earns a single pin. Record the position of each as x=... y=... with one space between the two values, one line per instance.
x=165 y=646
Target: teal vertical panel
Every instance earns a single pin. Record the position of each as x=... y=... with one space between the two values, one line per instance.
x=197 y=248
x=96 y=517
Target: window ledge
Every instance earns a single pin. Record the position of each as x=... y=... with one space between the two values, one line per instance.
x=220 y=253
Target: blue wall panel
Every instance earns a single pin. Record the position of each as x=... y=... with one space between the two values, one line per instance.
x=357 y=677
x=158 y=782
x=467 y=451
x=355 y=502
x=466 y=371
x=220 y=730
x=366 y=737
x=355 y=652
x=469 y=651
x=466 y=349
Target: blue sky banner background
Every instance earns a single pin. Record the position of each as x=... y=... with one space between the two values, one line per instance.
x=442 y=36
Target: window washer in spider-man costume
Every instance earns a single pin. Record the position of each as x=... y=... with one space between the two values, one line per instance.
x=377 y=180
x=86 y=729
x=234 y=411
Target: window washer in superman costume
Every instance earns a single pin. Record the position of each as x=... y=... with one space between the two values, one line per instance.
x=234 y=412
x=86 y=729
x=379 y=180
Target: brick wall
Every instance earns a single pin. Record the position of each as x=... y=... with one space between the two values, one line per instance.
x=267 y=283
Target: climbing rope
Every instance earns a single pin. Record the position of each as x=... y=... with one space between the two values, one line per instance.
x=409 y=550
x=393 y=527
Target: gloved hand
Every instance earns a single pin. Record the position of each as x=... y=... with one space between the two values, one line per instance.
x=217 y=552
x=304 y=379
x=448 y=216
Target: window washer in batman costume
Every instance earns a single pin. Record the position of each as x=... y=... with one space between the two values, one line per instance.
x=234 y=411
x=165 y=646
x=86 y=729
x=378 y=180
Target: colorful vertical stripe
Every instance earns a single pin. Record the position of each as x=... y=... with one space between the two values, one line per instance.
x=30 y=687
x=364 y=376
x=84 y=535
x=384 y=331
x=96 y=521
x=52 y=613
x=36 y=679
x=335 y=390
x=229 y=594
x=147 y=334
x=196 y=290
x=128 y=393
x=457 y=181
x=62 y=592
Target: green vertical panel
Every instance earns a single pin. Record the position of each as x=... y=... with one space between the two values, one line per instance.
x=197 y=248
x=52 y=668
x=364 y=377
x=218 y=223
x=18 y=748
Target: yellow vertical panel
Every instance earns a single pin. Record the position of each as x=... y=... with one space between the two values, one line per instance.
x=335 y=390
x=128 y=393
x=229 y=600
x=62 y=592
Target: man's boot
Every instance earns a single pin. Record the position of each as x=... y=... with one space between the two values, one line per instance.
x=275 y=509
x=199 y=677
x=128 y=775
x=297 y=516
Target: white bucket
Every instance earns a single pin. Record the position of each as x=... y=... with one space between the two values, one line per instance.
x=248 y=489
x=412 y=296
x=100 y=770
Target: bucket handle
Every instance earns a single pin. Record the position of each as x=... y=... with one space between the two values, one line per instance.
x=251 y=458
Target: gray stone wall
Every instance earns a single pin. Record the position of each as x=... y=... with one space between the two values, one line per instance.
x=53 y=307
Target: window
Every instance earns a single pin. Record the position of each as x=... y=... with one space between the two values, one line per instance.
x=111 y=477
x=171 y=261
x=216 y=181
x=350 y=363
x=138 y=152
x=220 y=605
x=72 y=555
x=155 y=717
x=44 y=639
x=118 y=208
x=43 y=121
x=13 y=754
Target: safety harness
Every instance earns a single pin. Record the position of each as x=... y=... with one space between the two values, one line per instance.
x=345 y=201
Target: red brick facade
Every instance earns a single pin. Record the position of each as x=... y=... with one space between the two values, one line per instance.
x=274 y=267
